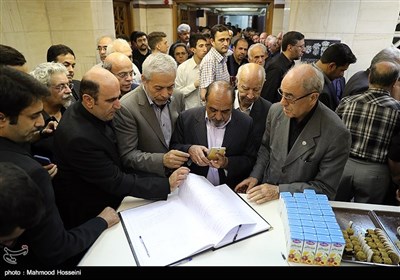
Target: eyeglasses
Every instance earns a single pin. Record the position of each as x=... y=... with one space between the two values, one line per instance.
x=123 y=75
x=289 y=96
x=101 y=48
x=62 y=87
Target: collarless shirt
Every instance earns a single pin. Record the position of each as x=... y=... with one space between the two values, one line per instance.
x=297 y=127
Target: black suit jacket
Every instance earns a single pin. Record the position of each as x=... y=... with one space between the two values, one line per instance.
x=48 y=242
x=89 y=169
x=358 y=83
x=274 y=73
x=190 y=129
x=259 y=113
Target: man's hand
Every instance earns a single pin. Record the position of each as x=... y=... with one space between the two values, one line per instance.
x=110 y=216
x=52 y=169
x=220 y=162
x=175 y=159
x=246 y=185
x=198 y=155
x=178 y=177
x=263 y=193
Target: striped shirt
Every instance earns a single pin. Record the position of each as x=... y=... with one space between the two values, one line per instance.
x=213 y=68
x=371 y=117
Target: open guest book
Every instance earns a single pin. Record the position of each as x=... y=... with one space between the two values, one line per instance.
x=195 y=218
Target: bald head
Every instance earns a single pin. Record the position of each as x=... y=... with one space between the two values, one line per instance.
x=250 y=80
x=307 y=76
x=116 y=60
x=120 y=45
x=95 y=80
x=384 y=74
x=100 y=93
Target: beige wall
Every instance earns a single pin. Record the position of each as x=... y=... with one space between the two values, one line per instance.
x=32 y=26
x=367 y=26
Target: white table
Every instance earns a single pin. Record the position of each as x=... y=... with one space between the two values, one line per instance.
x=112 y=248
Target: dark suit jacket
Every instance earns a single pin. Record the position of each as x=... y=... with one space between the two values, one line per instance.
x=75 y=90
x=89 y=169
x=328 y=95
x=48 y=242
x=190 y=129
x=259 y=113
x=358 y=83
x=274 y=73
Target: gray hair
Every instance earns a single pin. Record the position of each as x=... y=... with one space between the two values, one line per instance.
x=44 y=71
x=313 y=82
x=250 y=50
x=391 y=54
x=158 y=63
x=115 y=45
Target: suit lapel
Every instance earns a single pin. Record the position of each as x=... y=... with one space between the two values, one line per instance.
x=200 y=128
x=305 y=141
x=148 y=113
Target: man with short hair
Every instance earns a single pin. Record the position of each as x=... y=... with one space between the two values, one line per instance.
x=188 y=73
x=158 y=42
x=65 y=55
x=90 y=170
x=147 y=118
x=21 y=203
x=250 y=79
x=213 y=67
x=372 y=117
x=102 y=44
x=305 y=144
x=121 y=66
x=183 y=37
x=238 y=56
x=13 y=58
x=142 y=50
x=333 y=62
x=20 y=119
x=359 y=83
x=217 y=124
x=293 y=47
x=122 y=46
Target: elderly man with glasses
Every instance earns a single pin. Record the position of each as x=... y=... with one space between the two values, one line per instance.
x=305 y=144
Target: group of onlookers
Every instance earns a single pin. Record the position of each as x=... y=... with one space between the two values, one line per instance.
x=139 y=121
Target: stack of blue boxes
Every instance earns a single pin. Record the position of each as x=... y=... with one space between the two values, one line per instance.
x=312 y=233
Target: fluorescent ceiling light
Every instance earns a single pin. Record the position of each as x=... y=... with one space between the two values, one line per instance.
x=239 y=9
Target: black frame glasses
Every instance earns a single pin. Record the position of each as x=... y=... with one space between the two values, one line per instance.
x=61 y=87
x=290 y=98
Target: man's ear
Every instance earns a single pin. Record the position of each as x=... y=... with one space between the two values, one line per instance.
x=2 y=117
x=88 y=101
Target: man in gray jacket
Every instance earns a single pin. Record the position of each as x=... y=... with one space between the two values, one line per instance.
x=305 y=144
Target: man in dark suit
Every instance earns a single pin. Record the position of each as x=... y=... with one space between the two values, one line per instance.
x=250 y=79
x=305 y=144
x=20 y=119
x=293 y=47
x=358 y=83
x=217 y=125
x=90 y=173
x=334 y=61
x=65 y=55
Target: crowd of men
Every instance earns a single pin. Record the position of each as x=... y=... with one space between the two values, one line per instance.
x=148 y=113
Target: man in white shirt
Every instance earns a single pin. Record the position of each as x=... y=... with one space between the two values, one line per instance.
x=188 y=74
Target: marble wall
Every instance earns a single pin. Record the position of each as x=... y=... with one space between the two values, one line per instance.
x=31 y=26
x=367 y=26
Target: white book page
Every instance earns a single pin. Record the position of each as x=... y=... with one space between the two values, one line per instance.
x=219 y=207
x=168 y=232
